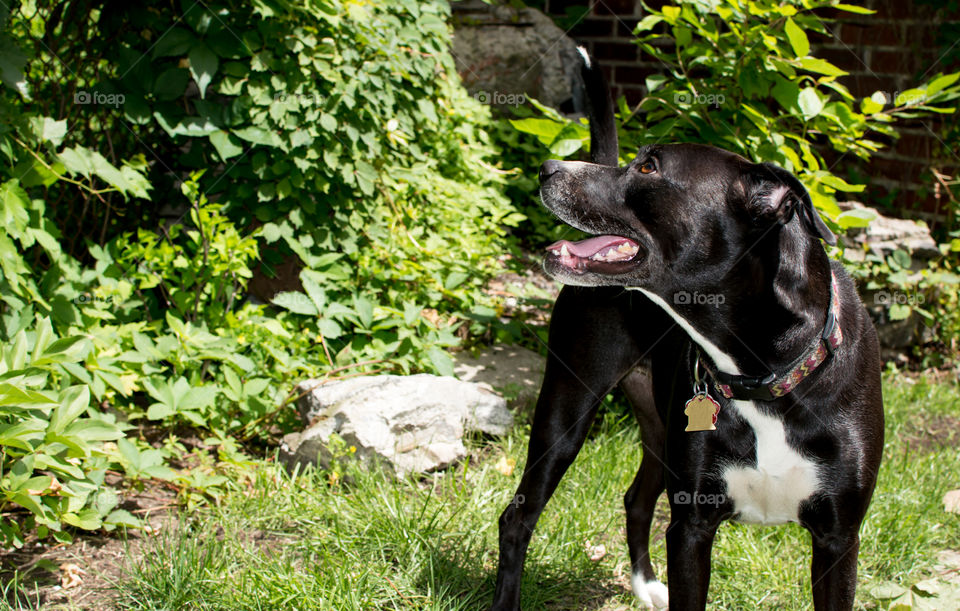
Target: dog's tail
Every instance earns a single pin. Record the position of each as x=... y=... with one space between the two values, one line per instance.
x=604 y=148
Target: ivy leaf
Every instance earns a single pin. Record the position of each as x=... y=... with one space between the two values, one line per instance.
x=14 y=204
x=225 y=147
x=203 y=65
x=12 y=62
x=176 y=41
x=171 y=84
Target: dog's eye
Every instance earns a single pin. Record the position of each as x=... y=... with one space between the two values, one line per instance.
x=648 y=167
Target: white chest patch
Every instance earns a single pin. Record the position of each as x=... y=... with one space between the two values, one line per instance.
x=771 y=491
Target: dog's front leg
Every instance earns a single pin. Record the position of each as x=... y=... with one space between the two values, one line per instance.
x=590 y=349
x=689 y=542
x=834 y=570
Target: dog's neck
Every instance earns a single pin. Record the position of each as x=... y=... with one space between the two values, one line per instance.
x=765 y=312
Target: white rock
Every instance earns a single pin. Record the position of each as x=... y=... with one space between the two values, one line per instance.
x=412 y=424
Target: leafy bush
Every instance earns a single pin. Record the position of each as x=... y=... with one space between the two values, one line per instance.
x=140 y=190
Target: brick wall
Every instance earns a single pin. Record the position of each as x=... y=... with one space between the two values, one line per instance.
x=904 y=44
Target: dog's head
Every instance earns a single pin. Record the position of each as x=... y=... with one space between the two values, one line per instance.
x=675 y=210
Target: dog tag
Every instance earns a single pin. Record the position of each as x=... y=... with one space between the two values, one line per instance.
x=701 y=413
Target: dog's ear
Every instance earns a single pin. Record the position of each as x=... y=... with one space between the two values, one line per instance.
x=775 y=195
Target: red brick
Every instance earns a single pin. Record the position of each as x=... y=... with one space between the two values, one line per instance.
x=632 y=94
x=593 y=27
x=850 y=60
x=615 y=7
x=897 y=62
x=897 y=170
x=918 y=146
x=862 y=84
x=615 y=51
x=559 y=7
x=632 y=75
x=625 y=27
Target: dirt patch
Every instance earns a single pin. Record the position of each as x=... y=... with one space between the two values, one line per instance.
x=81 y=575
x=931 y=432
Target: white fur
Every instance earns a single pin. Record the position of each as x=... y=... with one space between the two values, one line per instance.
x=652 y=594
x=585 y=55
x=771 y=491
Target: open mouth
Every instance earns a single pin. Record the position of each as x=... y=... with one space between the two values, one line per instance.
x=606 y=253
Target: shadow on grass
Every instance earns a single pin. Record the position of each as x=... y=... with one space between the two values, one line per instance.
x=458 y=579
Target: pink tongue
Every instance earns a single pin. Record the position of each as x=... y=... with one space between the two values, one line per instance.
x=589 y=247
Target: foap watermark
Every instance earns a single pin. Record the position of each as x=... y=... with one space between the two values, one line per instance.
x=498 y=98
x=87 y=299
x=696 y=298
x=909 y=97
x=303 y=99
x=889 y=298
x=98 y=98
x=703 y=99
x=517 y=500
x=695 y=498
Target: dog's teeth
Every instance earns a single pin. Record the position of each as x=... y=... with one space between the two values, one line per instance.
x=564 y=252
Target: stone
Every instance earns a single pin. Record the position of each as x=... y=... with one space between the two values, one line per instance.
x=505 y=55
x=885 y=234
x=513 y=371
x=408 y=424
x=951 y=501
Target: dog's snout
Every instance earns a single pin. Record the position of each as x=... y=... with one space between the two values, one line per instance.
x=548 y=169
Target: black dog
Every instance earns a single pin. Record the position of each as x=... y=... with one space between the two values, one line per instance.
x=765 y=367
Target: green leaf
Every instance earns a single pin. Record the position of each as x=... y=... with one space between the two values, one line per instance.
x=171 y=84
x=226 y=148
x=899 y=311
x=797 y=37
x=441 y=361
x=546 y=130
x=14 y=204
x=89 y=429
x=296 y=302
x=203 y=65
x=364 y=310
x=454 y=279
x=810 y=103
x=174 y=42
x=122 y=517
x=257 y=135
x=942 y=82
x=12 y=63
x=873 y=104
x=566 y=147
x=88 y=519
x=73 y=402
x=328 y=122
x=820 y=66
x=852 y=8
x=857 y=217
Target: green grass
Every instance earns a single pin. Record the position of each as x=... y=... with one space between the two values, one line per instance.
x=297 y=542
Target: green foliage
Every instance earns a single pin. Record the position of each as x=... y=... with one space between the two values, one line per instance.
x=53 y=459
x=335 y=132
x=741 y=77
x=199 y=268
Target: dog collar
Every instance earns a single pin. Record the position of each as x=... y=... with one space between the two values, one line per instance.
x=772 y=387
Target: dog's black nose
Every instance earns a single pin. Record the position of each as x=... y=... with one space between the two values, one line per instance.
x=549 y=168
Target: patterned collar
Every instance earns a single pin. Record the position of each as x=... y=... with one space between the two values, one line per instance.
x=772 y=387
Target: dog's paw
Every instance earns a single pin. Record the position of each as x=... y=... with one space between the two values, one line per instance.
x=652 y=594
